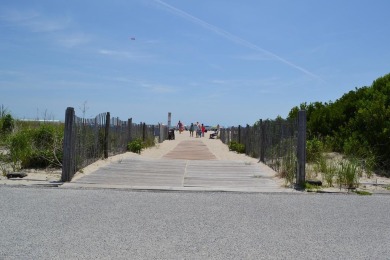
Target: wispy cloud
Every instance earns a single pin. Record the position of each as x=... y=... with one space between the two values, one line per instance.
x=126 y=55
x=57 y=28
x=34 y=21
x=73 y=39
x=231 y=37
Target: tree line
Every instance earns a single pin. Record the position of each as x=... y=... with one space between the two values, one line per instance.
x=357 y=124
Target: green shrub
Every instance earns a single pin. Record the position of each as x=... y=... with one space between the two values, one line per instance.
x=47 y=146
x=314 y=149
x=135 y=146
x=19 y=146
x=237 y=147
x=232 y=145
x=330 y=172
x=348 y=174
x=38 y=147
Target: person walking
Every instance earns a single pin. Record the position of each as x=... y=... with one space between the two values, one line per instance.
x=199 y=130
x=180 y=126
x=203 y=129
x=196 y=129
x=192 y=130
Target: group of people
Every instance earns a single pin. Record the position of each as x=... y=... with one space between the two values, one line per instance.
x=198 y=128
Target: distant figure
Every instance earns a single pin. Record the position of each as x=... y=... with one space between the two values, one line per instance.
x=203 y=129
x=215 y=134
x=196 y=129
x=180 y=126
x=192 y=130
x=199 y=130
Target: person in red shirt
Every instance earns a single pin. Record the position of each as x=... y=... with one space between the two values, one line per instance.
x=180 y=126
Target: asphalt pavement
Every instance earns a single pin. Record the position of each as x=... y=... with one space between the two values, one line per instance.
x=53 y=223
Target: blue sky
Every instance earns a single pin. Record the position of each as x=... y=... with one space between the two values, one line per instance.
x=217 y=61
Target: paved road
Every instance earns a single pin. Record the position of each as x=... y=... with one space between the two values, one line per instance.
x=43 y=223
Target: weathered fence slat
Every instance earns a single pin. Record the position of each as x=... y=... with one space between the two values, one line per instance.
x=301 y=151
x=106 y=135
x=68 y=163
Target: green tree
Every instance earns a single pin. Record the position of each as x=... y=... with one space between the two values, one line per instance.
x=357 y=124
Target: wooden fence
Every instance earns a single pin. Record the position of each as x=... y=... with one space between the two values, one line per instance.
x=280 y=144
x=89 y=140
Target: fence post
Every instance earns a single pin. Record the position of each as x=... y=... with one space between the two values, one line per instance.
x=162 y=133
x=68 y=163
x=106 y=135
x=239 y=134
x=144 y=132
x=169 y=120
x=301 y=153
x=247 y=139
x=262 y=141
x=129 y=129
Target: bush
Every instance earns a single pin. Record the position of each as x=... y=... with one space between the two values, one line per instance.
x=135 y=146
x=19 y=149
x=47 y=146
x=237 y=147
x=39 y=147
x=314 y=149
x=348 y=174
x=330 y=172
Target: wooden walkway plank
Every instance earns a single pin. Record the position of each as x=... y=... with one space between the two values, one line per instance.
x=188 y=166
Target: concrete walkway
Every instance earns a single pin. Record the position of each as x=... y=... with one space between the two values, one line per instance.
x=188 y=165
